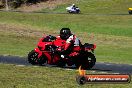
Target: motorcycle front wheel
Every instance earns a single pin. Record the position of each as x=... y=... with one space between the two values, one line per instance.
x=34 y=60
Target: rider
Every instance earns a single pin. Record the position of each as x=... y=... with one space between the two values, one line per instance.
x=73 y=7
x=72 y=46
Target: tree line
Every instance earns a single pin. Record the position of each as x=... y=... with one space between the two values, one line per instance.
x=18 y=3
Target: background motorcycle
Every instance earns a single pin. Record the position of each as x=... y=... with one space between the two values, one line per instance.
x=75 y=10
x=50 y=49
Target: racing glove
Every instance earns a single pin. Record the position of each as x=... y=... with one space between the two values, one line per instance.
x=52 y=37
x=64 y=56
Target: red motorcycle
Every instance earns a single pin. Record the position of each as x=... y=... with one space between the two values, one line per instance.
x=50 y=49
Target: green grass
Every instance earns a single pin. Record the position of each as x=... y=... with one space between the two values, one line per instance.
x=112 y=25
x=98 y=6
x=15 y=45
x=45 y=77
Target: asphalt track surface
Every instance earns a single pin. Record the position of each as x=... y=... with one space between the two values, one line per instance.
x=101 y=67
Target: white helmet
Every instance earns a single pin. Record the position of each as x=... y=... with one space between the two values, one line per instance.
x=73 y=4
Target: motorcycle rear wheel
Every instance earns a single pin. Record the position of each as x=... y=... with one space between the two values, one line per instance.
x=91 y=60
x=86 y=62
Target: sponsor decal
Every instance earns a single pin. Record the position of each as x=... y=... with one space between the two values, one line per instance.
x=83 y=78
